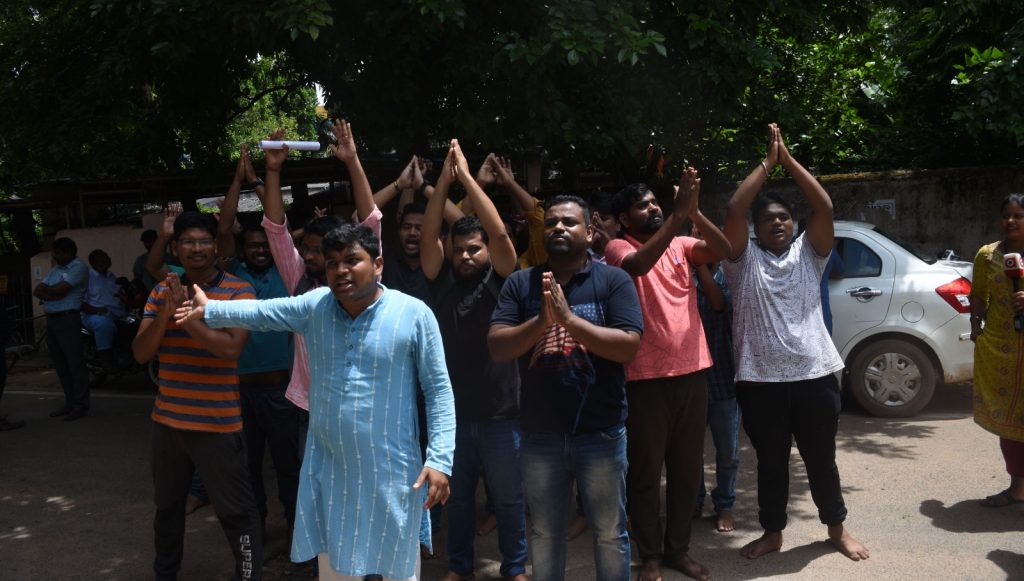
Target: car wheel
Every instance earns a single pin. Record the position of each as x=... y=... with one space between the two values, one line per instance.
x=892 y=379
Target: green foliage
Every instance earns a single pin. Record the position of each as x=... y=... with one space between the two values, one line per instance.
x=122 y=87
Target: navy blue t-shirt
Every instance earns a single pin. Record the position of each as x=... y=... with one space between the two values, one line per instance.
x=565 y=388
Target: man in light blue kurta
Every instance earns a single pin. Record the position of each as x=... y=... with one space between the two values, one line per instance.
x=357 y=502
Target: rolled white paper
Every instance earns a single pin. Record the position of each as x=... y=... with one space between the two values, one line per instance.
x=297 y=145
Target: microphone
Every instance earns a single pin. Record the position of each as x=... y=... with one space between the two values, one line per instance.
x=1013 y=268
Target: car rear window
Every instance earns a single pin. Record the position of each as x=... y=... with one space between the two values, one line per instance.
x=908 y=247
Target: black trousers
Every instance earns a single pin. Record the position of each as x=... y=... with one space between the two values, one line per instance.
x=67 y=349
x=665 y=427
x=222 y=461
x=774 y=414
x=271 y=421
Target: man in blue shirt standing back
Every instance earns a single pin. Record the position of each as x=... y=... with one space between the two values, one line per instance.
x=62 y=293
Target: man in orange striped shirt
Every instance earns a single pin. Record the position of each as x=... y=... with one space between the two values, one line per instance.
x=197 y=415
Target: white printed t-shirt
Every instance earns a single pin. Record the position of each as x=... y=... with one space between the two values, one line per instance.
x=778 y=331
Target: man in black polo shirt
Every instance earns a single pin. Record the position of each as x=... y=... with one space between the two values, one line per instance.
x=572 y=323
x=464 y=291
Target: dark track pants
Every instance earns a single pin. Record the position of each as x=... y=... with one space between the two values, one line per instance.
x=221 y=460
x=774 y=414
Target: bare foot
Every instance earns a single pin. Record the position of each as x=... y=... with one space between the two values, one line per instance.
x=650 y=571
x=519 y=577
x=768 y=543
x=489 y=524
x=687 y=566
x=576 y=527
x=194 y=503
x=453 y=576
x=726 y=522
x=847 y=545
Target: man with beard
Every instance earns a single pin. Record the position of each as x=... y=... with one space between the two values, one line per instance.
x=465 y=290
x=360 y=496
x=667 y=389
x=573 y=323
x=197 y=416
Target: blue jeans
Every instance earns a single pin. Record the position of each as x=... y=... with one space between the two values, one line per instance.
x=494 y=447
x=103 y=327
x=724 y=421
x=597 y=462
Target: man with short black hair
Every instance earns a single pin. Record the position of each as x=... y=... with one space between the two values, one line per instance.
x=667 y=388
x=402 y=269
x=102 y=307
x=465 y=288
x=360 y=493
x=197 y=417
x=572 y=323
x=62 y=293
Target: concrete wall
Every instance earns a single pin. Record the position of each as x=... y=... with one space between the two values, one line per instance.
x=933 y=210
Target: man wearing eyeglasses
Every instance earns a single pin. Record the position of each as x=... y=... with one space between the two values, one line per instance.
x=197 y=414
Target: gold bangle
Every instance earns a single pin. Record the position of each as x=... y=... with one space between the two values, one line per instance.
x=765 y=168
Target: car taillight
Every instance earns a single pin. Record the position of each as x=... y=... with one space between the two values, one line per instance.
x=956 y=293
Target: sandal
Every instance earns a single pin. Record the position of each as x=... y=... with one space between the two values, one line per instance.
x=999 y=500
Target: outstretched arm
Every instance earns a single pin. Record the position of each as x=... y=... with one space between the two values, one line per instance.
x=737 y=229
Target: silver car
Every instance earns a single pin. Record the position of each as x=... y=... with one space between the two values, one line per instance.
x=900 y=321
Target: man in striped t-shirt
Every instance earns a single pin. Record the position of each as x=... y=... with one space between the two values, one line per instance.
x=197 y=415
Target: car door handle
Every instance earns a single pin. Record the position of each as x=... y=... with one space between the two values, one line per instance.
x=864 y=292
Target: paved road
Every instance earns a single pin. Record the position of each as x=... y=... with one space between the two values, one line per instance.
x=75 y=501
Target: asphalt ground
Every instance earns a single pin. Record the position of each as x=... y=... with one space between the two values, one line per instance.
x=75 y=500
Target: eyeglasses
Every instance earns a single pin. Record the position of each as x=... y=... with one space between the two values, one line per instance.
x=200 y=243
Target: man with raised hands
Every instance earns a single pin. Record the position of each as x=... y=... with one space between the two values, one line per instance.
x=303 y=268
x=464 y=289
x=667 y=388
x=785 y=360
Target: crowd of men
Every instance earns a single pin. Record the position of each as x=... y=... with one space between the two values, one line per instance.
x=568 y=345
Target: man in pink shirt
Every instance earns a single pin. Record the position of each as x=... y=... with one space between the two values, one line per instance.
x=666 y=388
x=303 y=268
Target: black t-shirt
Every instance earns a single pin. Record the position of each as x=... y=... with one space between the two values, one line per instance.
x=398 y=276
x=565 y=388
x=484 y=390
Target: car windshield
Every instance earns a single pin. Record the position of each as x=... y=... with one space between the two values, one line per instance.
x=906 y=246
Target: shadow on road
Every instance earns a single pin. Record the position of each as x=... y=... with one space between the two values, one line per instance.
x=1010 y=562
x=967 y=516
x=785 y=563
